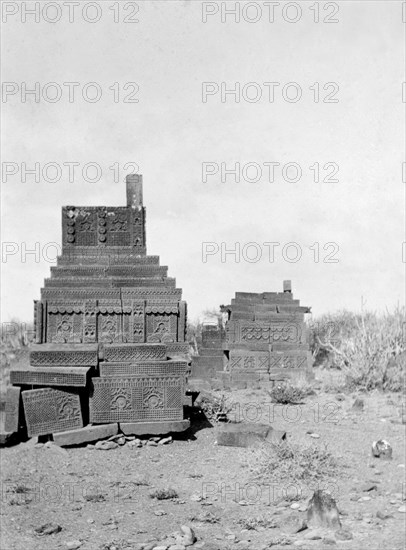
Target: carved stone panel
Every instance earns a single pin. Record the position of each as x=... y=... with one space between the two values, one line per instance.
x=48 y=410
x=162 y=327
x=137 y=399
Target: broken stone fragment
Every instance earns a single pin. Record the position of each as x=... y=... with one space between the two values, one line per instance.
x=358 y=404
x=382 y=449
x=188 y=537
x=343 y=534
x=245 y=435
x=165 y=440
x=48 y=529
x=293 y=523
x=322 y=511
x=106 y=445
x=73 y=544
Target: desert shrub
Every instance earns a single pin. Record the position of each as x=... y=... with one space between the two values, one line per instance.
x=14 y=340
x=216 y=408
x=368 y=348
x=286 y=393
x=293 y=463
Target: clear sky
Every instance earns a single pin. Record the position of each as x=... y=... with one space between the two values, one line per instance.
x=356 y=123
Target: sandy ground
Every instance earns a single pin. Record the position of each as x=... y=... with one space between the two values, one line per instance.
x=217 y=496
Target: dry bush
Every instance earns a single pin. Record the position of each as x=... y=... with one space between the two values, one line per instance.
x=14 y=340
x=216 y=408
x=369 y=349
x=287 y=393
x=253 y=523
x=292 y=463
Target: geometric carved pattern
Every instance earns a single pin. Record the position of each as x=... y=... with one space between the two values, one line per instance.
x=134 y=352
x=177 y=348
x=153 y=368
x=48 y=410
x=138 y=322
x=74 y=355
x=50 y=376
x=266 y=337
x=249 y=362
x=161 y=328
x=286 y=360
x=89 y=321
x=137 y=399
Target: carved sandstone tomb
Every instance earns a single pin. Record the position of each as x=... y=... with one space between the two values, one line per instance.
x=110 y=330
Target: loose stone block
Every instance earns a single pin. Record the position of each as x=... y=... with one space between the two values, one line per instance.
x=154 y=428
x=57 y=355
x=12 y=409
x=49 y=410
x=246 y=435
x=137 y=399
x=85 y=435
x=134 y=352
x=50 y=376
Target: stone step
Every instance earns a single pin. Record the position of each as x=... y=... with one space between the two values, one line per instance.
x=85 y=435
x=94 y=293
x=154 y=428
x=136 y=271
x=110 y=282
x=104 y=258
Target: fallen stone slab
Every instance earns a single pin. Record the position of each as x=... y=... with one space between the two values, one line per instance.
x=154 y=428
x=245 y=435
x=85 y=435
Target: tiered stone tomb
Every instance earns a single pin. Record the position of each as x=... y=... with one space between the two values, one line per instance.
x=110 y=329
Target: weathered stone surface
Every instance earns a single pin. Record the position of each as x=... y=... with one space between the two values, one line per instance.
x=113 y=353
x=245 y=435
x=56 y=355
x=85 y=435
x=137 y=398
x=149 y=428
x=322 y=511
x=293 y=523
x=12 y=410
x=50 y=376
x=49 y=410
x=108 y=305
x=155 y=368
